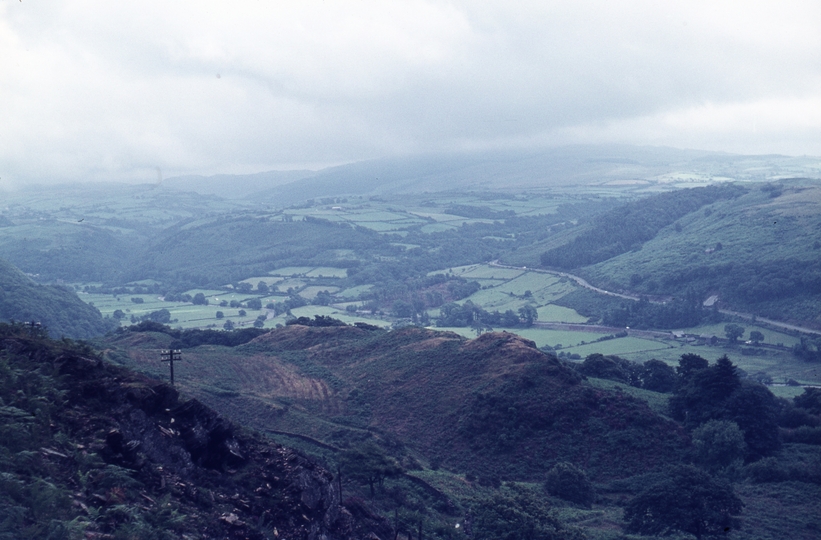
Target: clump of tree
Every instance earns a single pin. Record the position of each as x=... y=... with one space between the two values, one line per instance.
x=160 y=316
x=514 y=513
x=369 y=465
x=318 y=320
x=719 y=444
x=184 y=339
x=652 y=375
x=570 y=483
x=683 y=312
x=733 y=332
x=716 y=392
x=684 y=499
x=808 y=349
x=471 y=314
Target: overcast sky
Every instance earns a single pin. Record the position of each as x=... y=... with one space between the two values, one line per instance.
x=102 y=90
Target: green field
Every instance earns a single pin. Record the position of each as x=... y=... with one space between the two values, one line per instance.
x=621 y=346
x=290 y=271
x=324 y=271
x=554 y=313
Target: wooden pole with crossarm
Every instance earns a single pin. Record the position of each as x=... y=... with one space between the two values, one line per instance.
x=171 y=356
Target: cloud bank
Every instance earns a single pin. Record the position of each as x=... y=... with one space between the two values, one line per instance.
x=95 y=90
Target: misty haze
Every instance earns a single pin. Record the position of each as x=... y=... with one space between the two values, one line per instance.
x=417 y=270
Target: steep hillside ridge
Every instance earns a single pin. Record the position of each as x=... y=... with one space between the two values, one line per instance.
x=495 y=404
x=296 y=337
x=256 y=374
x=126 y=456
x=60 y=310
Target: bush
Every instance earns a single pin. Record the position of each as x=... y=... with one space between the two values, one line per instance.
x=570 y=483
x=766 y=470
x=684 y=499
x=805 y=435
x=718 y=444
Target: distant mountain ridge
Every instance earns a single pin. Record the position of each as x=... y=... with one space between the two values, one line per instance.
x=234 y=186
x=496 y=170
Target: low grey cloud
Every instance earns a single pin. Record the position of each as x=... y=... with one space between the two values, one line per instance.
x=111 y=91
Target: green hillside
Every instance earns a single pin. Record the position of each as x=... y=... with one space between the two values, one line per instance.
x=91 y=232
x=627 y=227
x=758 y=252
x=58 y=309
x=229 y=248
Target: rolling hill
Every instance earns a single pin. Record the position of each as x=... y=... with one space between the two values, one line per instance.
x=512 y=170
x=759 y=251
x=491 y=406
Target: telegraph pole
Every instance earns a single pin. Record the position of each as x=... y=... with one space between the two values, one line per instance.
x=171 y=356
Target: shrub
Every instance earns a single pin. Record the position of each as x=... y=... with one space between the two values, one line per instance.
x=570 y=483
x=766 y=470
x=719 y=443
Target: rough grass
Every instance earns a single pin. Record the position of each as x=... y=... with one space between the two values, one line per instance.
x=656 y=400
x=780 y=510
x=621 y=346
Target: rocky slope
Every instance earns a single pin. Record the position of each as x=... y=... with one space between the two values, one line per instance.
x=125 y=456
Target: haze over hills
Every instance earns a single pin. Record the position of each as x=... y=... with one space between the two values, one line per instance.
x=504 y=170
x=429 y=426
x=408 y=273
x=233 y=186
x=120 y=234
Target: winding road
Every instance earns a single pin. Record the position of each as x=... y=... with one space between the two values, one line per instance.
x=584 y=283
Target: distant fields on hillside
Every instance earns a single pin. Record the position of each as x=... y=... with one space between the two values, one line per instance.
x=502 y=289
